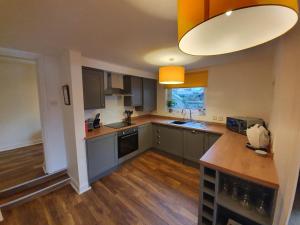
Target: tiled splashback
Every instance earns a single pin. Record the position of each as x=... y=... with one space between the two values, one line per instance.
x=113 y=112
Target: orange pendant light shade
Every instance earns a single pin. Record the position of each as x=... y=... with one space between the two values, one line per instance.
x=213 y=27
x=171 y=75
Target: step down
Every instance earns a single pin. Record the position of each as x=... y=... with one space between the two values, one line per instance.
x=30 y=190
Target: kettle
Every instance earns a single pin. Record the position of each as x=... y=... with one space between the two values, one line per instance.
x=258 y=137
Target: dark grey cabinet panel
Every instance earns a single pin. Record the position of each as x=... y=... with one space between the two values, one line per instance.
x=194 y=143
x=101 y=155
x=93 y=88
x=133 y=85
x=210 y=139
x=168 y=139
x=145 y=137
x=149 y=95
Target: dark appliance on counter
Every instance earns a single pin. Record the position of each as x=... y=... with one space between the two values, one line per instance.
x=96 y=123
x=128 y=116
x=128 y=141
x=241 y=124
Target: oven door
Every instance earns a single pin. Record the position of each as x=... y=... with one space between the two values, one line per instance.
x=127 y=144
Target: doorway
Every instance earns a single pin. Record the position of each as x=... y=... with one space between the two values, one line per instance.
x=21 y=142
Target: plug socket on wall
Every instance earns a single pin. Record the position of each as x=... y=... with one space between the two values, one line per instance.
x=220 y=118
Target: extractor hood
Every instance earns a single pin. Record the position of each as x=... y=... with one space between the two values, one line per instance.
x=110 y=91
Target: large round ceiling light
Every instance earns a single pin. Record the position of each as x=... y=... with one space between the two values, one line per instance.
x=171 y=75
x=214 y=27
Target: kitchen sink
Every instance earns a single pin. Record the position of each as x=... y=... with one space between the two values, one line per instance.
x=190 y=124
x=179 y=122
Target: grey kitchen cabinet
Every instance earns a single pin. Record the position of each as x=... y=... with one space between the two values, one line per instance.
x=149 y=101
x=93 y=88
x=194 y=143
x=168 y=139
x=145 y=137
x=101 y=155
x=133 y=85
x=210 y=139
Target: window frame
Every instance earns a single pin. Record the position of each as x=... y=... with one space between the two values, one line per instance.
x=203 y=109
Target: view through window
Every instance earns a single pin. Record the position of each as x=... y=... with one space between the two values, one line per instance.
x=187 y=98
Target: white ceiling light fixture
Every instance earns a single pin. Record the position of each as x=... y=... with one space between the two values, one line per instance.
x=169 y=56
x=218 y=27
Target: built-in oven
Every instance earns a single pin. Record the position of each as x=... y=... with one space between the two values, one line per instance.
x=128 y=141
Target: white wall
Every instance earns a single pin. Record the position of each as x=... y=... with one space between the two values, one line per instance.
x=20 y=123
x=74 y=121
x=285 y=122
x=51 y=113
x=240 y=88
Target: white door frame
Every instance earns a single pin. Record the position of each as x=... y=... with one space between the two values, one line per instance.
x=41 y=89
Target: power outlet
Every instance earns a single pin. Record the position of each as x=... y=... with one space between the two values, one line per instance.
x=220 y=118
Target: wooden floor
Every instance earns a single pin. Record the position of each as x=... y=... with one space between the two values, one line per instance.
x=20 y=165
x=151 y=189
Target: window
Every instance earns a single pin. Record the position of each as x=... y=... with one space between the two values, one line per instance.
x=186 y=98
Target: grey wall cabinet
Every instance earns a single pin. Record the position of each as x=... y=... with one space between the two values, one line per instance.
x=133 y=85
x=101 y=155
x=93 y=88
x=149 y=96
x=168 y=139
x=194 y=143
x=210 y=139
x=145 y=137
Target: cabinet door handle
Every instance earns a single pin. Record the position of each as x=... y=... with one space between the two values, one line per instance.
x=194 y=132
x=158 y=142
x=158 y=136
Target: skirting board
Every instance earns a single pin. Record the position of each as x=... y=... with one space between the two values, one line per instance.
x=79 y=190
x=21 y=145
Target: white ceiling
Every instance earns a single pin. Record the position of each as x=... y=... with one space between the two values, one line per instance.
x=124 y=32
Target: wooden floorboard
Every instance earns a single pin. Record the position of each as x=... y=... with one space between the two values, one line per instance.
x=21 y=165
x=148 y=190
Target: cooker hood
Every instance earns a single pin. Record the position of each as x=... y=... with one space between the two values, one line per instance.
x=110 y=91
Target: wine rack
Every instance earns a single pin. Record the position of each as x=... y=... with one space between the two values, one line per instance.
x=224 y=197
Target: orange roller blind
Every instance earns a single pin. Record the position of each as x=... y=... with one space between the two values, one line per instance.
x=192 y=79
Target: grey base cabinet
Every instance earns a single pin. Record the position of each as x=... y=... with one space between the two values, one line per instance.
x=210 y=139
x=145 y=137
x=168 y=139
x=194 y=144
x=101 y=156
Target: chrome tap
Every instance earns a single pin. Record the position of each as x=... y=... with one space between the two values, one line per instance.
x=191 y=119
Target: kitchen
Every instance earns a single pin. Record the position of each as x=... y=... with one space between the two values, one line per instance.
x=134 y=146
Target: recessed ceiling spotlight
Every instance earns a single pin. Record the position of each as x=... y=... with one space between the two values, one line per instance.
x=228 y=13
x=170 y=56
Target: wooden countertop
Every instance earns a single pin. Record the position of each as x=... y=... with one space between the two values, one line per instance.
x=228 y=154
